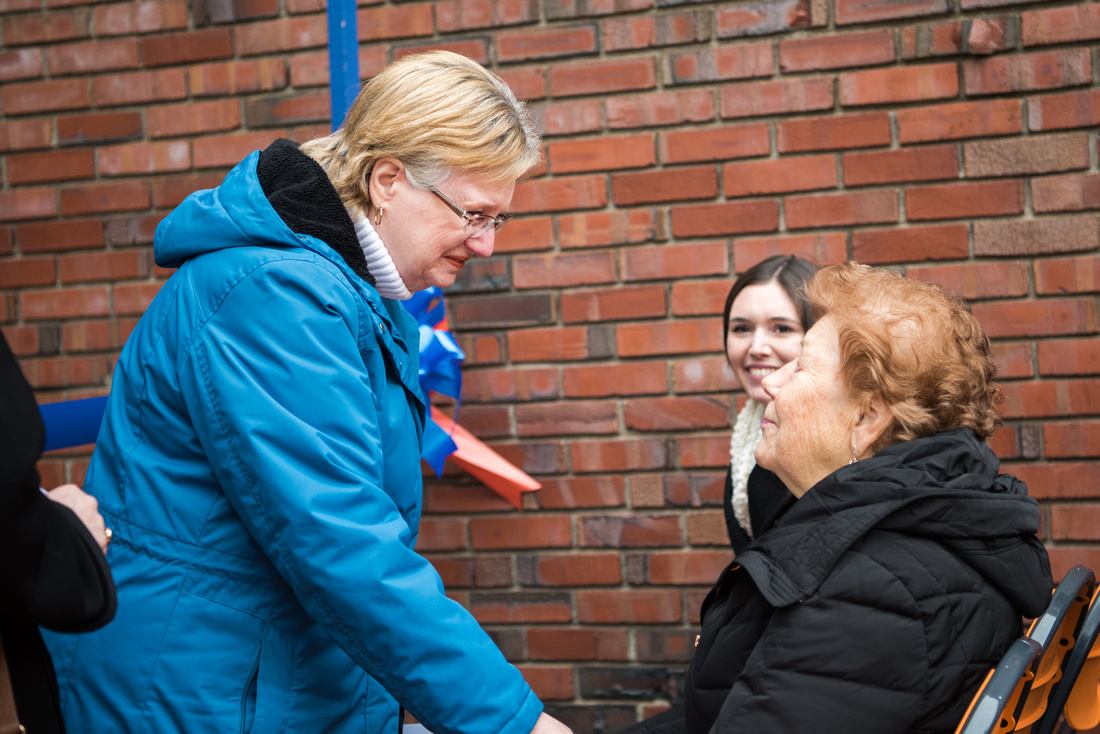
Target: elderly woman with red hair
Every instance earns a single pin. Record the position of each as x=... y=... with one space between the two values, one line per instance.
x=899 y=576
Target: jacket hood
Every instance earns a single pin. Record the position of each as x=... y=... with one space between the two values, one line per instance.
x=944 y=487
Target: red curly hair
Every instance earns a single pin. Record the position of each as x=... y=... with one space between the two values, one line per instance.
x=915 y=345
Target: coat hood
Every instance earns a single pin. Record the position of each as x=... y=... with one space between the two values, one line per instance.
x=944 y=487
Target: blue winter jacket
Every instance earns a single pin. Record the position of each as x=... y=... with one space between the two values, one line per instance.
x=259 y=463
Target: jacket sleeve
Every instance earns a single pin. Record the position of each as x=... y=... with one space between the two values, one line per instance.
x=290 y=421
x=53 y=573
x=851 y=659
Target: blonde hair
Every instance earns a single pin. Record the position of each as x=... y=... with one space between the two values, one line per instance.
x=915 y=345
x=436 y=112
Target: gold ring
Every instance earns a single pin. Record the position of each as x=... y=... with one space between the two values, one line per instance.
x=108 y=533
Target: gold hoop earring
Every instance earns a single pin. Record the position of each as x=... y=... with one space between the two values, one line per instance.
x=378 y=216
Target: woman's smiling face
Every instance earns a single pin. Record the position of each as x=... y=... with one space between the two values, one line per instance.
x=765 y=333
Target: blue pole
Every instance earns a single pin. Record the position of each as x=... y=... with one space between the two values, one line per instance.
x=343 y=58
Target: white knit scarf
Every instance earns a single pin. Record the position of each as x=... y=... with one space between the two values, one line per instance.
x=387 y=281
x=746 y=434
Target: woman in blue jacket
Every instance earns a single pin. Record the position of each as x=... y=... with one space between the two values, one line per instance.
x=259 y=460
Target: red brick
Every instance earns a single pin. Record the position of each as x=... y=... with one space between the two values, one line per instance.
x=109 y=266
x=1043 y=236
x=67 y=303
x=525 y=234
x=1014 y=360
x=707 y=374
x=1061 y=111
x=476 y=49
x=602 y=154
x=1035 y=154
x=510 y=385
x=143 y=158
x=64 y=372
x=899 y=84
x=867 y=11
x=458 y=15
x=629 y=531
x=752 y=19
x=613 y=304
x=1071 y=439
x=680 y=413
x=758 y=99
x=98 y=127
x=527 y=608
x=70 y=234
x=779 y=175
x=41 y=28
x=601 y=77
x=667 y=337
x=705 y=451
x=699 y=297
x=25 y=272
x=709 y=528
x=549 y=345
x=1075 y=522
x=631 y=378
x=1071 y=192
x=193 y=118
x=1045 y=317
x=1051 y=398
x=610 y=228
x=139 y=87
x=865 y=130
x=939 y=39
x=1061 y=480
x=521 y=45
x=169 y=191
x=1065 y=556
x=716 y=144
x=818 y=247
x=550 y=683
x=28 y=203
x=25 y=134
x=845 y=209
x=726 y=62
x=735 y=217
x=959 y=120
x=839 y=51
x=664 y=185
x=959 y=200
x=98 y=198
x=187 y=47
x=481 y=349
x=20 y=63
x=1068 y=275
x=663 y=262
x=1069 y=357
x=618 y=455
x=1029 y=72
x=927 y=163
x=560 y=194
x=568 y=418
x=588 y=491
x=55 y=165
x=685 y=567
x=563 y=269
x=660 y=108
x=227 y=150
x=566 y=118
x=385 y=22
x=92 y=56
x=288 y=110
x=94 y=335
x=134 y=298
x=526 y=83
x=44 y=96
x=578 y=644
x=499 y=533
x=978 y=280
x=144 y=17
x=240 y=77
x=630 y=606
x=667 y=29
x=134 y=230
x=898 y=245
x=1060 y=25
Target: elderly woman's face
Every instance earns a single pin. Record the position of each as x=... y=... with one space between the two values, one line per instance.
x=426 y=238
x=808 y=427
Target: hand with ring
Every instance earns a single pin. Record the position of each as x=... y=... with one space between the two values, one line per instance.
x=86 y=508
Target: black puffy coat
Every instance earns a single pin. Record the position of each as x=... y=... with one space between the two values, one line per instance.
x=877 y=603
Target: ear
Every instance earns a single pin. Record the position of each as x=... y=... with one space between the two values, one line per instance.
x=874 y=420
x=385 y=178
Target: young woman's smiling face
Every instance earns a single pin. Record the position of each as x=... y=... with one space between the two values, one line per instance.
x=765 y=333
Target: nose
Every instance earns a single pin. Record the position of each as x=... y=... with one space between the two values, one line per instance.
x=773 y=382
x=482 y=246
x=760 y=344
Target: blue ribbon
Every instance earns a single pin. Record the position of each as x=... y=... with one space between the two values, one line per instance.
x=76 y=422
x=440 y=370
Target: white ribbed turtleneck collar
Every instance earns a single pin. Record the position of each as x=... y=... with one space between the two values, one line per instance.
x=387 y=281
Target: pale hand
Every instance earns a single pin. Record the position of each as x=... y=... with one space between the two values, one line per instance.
x=86 y=508
x=549 y=725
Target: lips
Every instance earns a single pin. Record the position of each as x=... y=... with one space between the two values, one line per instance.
x=458 y=262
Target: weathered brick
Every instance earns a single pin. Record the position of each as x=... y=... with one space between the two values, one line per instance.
x=587 y=491
x=714 y=144
x=978 y=280
x=865 y=130
x=65 y=371
x=1051 y=398
x=629 y=531
x=779 y=175
x=610 y=228
x=133 y=158
x=187 y=47
x=25 y=134
x=1028 y=72
x=844 y=209
x=570 y=117
x=958 y=200
x=28 y=203
x=98 y=127
x=631 y=606
x=139 y=87
x=704 y=451
x=1047 y=235
x=758 y=99
x=20 y=63
x=613 y=304
x=927 y=163
x=818 y=52
x=459 y=15
x=660 y=108
x=92 y=56
x=663 y=262
x=118 y=19
x=1062 y=111
x=531 y=607
x=567 y=418
x=726 y=62
x=1047 y=26
x=42 y=28
x=866 y=11
x=899 y=84
x=680 y=413
x=44 y=96
x=669 y=29
x=95 y=335
x=1068 y=275
x=1014 y=360
x=959 y=120
x=559 y=9
x=735 y=217
x=936 y=242
x=504 y=310
x=241 y=77
x=700 y=182
x=209 y=12
x=762 y=18
x=618 y=455
x=1045 y=317
x=685 y=567
x=1034 y=154
x=563 y=269
x=699 y=297
x=64 y=303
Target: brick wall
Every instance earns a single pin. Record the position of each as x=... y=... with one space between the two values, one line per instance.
x=684 y=142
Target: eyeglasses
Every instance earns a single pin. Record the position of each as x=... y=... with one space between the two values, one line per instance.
x=476 y=224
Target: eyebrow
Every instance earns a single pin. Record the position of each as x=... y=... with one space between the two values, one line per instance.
x=770 y=318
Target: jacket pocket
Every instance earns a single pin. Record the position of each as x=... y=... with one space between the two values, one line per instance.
x=248 y=698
